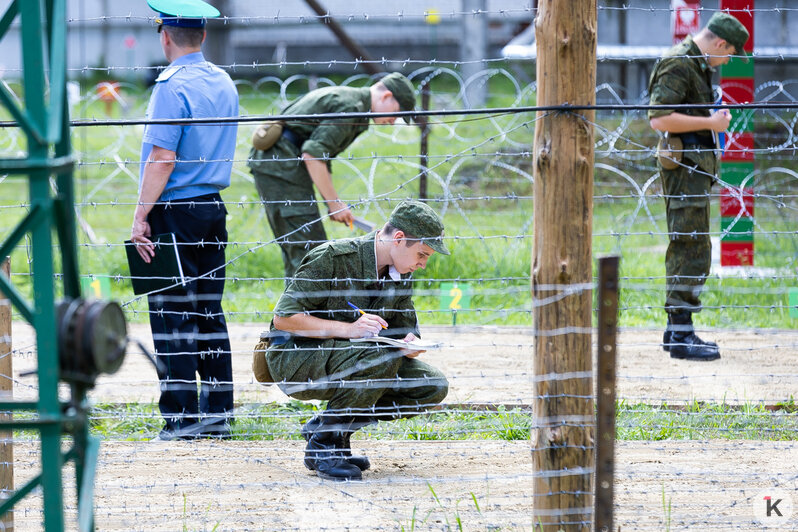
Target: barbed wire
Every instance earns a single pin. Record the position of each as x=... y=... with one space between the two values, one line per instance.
x=494 y=214
x=401 y=15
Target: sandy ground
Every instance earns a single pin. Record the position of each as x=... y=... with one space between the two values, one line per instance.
x=429 y=485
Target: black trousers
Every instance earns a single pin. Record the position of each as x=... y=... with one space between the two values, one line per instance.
x=188 y=325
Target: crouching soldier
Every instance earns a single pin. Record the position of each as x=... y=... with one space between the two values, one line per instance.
x=348 y=289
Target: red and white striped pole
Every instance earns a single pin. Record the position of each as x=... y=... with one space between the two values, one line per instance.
x=737 y=194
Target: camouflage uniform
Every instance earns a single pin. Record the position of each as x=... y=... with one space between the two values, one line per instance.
x=329 y=276
x=683 y=76
x=285 y=185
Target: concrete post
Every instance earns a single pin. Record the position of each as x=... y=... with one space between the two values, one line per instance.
x=473 y=50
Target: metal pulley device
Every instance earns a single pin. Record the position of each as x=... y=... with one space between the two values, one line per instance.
x=92 y=338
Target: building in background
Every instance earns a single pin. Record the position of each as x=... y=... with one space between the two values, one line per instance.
x=633 y=34
x=112 y=38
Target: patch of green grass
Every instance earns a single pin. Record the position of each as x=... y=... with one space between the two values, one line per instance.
x=788 y=405
x=185 y=517
x=667 y=510
x=702 y=421
x=271 y=421
x=126 y=421
x=455 y=523
x=456 y=425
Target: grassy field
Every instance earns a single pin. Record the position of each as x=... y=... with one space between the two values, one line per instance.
x=695 y=421
x=480 y=178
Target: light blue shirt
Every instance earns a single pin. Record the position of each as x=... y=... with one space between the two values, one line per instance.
x=191 y=87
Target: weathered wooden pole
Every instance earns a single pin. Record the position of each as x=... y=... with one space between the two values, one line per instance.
x=563 y=436
x=423 y=122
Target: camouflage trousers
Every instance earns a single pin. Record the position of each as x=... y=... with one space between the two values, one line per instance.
x=357 y=379
x=689 y=254
x=688 y=258
x=294 y=217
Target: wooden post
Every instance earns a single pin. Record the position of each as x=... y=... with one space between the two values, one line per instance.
x=6 y=394
x=607 y=302
x=423 y=122
x=563 y=432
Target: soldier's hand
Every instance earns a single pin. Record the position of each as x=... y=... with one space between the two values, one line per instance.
x=367 y=325
x=339 y=212
x=409 y=353
x=720 y=120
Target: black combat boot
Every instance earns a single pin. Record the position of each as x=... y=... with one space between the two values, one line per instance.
x=683 y=342
x=324 y=451
x=666 y=336
x=361 y=462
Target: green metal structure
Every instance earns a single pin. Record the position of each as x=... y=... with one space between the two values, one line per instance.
x=90 y=335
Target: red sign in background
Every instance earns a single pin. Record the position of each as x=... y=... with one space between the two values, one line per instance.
x=685 y=18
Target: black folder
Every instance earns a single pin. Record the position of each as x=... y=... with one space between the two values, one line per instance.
x=164 y=269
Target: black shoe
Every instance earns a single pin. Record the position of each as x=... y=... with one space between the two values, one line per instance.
x=693 y=348
x=324 y=451
x=667 y=341
x=215 y=434
x=174 y=434
x=681 y=341
x=687 y=327
x=361 y=462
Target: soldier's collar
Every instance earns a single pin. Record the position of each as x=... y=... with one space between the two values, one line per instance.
x=393 y=273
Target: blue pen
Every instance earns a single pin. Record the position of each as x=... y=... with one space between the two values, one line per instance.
x=358 y=309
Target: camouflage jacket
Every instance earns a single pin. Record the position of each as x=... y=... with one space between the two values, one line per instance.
x=683 y=76
x=342 y=271
x=321 y=138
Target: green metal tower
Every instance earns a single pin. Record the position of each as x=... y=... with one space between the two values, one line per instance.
x=90 y=335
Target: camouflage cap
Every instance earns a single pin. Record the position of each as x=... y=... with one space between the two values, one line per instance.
x=418 y=220
x=402 y=90
x=731 y=30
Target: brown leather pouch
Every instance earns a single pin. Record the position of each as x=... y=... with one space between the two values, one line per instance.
x=669 y=151
x=259 y=366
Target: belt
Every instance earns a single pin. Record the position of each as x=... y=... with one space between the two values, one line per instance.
x=293 y=138
x=213 y=196
x=695 y=139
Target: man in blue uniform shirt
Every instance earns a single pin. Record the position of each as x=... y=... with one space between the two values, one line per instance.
x=184 y=168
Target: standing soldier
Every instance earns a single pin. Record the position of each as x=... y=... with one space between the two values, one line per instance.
x=185 y=167
x=302 y=156
x=688 y=166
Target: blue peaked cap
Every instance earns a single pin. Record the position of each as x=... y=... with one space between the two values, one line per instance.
x=183 y=13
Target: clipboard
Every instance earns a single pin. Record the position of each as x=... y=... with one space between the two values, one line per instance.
x=164 y=269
